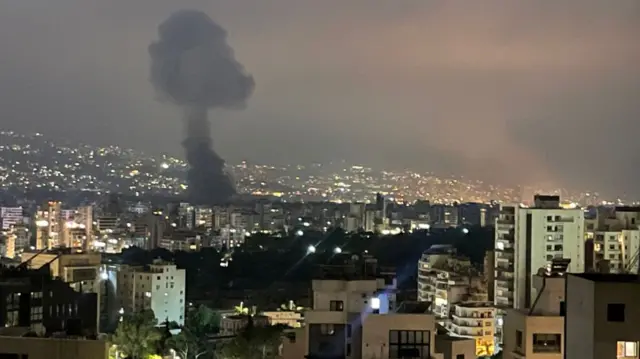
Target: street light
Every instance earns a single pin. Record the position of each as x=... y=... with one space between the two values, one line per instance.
x=311 y=249
x=337 y=250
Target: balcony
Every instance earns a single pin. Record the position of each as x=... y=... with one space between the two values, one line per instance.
x=503 y=256
x=502 y=302
x=504 y=268
x=504 y=289
x=465 y=331
x=466 y=323
x=505 y=221
x=562 y=220
x=442 y=294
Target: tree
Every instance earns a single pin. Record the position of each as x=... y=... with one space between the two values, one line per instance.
x=137 y=336
x=253 y=343
x=242 y=310
x=291 y=306
x=192 y=341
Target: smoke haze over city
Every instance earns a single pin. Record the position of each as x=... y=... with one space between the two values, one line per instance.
x=516 y=92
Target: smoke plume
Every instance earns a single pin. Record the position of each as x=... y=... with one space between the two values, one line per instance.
x=193 y=67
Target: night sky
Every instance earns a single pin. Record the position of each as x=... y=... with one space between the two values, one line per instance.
x=510 y=91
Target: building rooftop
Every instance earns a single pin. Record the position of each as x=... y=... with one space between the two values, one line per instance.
x=414 y=308
x=627 y=209
x=440 y=249
x=450 y=338
x=58 y=251
x=476 y=305
x=609 y=277
x=535 y=313
x=14 y=331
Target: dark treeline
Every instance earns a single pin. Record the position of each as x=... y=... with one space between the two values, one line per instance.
x=264 y=260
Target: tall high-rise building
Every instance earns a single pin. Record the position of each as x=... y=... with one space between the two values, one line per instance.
x=49 y=225
x=529 y=238
x=10 y=216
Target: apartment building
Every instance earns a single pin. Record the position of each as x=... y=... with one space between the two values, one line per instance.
x=475 y=320
x=159 y=287
x=10 y=216
x=602 y=314
x=445 y=279
x=19 y=344
x=17 y=240
x=79 y=269
x=288 y=318
x=613 y=238
x=32 y=299
x=354 y=319
x=49 y=225
x=236 y=324
x=538 y=332
x=529 y=238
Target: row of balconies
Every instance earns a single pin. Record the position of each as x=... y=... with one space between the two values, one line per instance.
x=469 y=331
x=473 y=314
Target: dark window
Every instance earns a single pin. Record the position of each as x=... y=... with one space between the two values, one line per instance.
x=348 y=330
x=460 y=356
x=563 y=308
x=409 y=344
x=348 y=352
x=336 y=306
x=615 y=312
x=327 y=329
x=518 y=339
x=547 y=343
x=13 y=356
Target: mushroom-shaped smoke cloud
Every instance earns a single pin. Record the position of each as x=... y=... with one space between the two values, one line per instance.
x=193 y=67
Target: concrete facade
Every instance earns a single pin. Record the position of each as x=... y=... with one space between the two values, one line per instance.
x=356 y=319
x=529 y=238
x=537 y=332
x=602 y=316
x=159 y=287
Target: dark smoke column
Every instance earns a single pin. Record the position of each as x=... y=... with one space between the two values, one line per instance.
x=193 y=67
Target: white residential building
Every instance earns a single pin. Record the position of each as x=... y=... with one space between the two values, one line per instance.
x=10 y=216
x=159 y=287
x=445 y=279
x=475 y=320
x=529 y=238
x=616 y=240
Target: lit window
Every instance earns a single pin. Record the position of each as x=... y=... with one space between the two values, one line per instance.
x=627 y=349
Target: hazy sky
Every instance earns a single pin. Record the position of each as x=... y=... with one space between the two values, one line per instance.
x=520 y=90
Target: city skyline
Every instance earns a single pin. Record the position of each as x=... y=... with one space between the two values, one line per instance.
x=37 y=162
x=500 y=90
